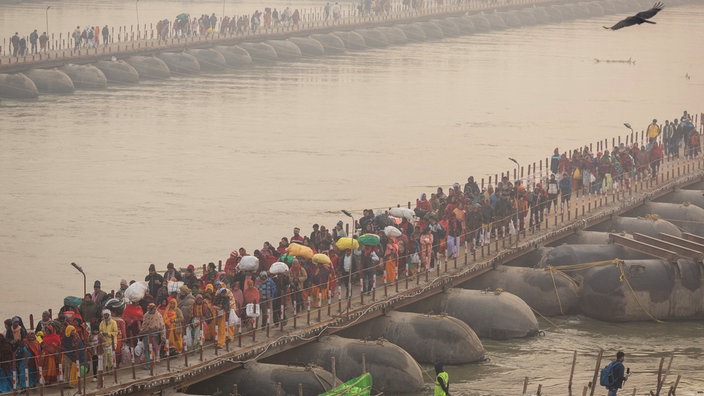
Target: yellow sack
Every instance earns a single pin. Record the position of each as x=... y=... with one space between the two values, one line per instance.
x=321 y=259
x=346 y=243
x=297 y=250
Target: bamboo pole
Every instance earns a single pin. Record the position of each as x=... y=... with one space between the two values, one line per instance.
x=596 y=372
x=667 y=371
x=659 y=384
x=574 y=362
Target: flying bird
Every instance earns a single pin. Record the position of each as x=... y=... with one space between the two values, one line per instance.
x=639 y=18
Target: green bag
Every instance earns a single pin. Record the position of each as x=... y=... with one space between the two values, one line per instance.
x=369 y=239
x=360 y=386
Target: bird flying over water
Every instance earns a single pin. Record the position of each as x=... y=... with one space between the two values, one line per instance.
x=639 y=18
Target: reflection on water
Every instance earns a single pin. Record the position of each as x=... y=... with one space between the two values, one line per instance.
x=187 y=169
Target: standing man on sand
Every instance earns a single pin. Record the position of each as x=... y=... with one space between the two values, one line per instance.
x=442 y=381
x=619 y=374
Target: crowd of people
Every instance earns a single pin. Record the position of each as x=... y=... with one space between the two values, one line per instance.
x=205 y=26
x=88 y=37
x=19 y=47
x=171 y=312
x=183 y=25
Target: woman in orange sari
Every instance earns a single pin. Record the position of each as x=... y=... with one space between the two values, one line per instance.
x=173 y=319
x=391 y=260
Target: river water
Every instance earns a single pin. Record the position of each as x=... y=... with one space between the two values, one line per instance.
x=188 y=169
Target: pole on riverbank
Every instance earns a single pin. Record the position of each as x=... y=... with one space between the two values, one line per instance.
x=596 y=372
x=667 y=372
x=673 y=388
x=574 y=362
x=525 y=386
x=660 y=379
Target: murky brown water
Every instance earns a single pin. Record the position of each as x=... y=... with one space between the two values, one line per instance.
x=188 y=169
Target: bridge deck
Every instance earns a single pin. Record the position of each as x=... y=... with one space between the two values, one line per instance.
x=62 y=51
x=188 y=368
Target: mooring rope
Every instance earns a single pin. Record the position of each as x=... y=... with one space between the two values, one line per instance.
x=623 y=279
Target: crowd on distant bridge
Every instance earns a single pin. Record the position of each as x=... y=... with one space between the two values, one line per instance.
x=177 y=310
x=184 y=25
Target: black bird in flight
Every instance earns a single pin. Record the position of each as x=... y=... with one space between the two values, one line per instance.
x=637 y=19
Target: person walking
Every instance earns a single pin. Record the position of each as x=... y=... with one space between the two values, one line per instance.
x=23 y=47
x=15 y=41
x=553 y=192
x=153 y=333
x=619 y=374
x=653 y=131
x=43 y=41
x=442 y=381
x=33 y=37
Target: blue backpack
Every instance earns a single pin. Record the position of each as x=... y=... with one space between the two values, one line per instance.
x=606 y=377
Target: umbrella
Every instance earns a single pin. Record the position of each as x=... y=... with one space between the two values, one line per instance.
x=182 y=16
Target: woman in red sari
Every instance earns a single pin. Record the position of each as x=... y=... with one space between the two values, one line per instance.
x=51 y=353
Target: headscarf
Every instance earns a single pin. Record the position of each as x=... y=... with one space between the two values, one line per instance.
x=51 y=340
x=169 y=314
x=35 y=348
x=19 y=333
